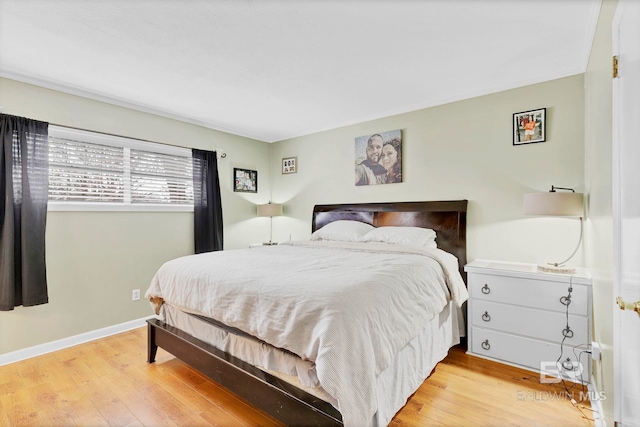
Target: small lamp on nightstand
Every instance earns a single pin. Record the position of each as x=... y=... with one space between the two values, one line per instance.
x=270 y=210
x=568 y=204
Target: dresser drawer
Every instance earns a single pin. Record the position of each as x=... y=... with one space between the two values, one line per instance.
x=526 y=352
x=532 y=322
x=538 y=293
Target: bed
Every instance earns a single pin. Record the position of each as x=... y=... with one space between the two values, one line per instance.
x=295 y=369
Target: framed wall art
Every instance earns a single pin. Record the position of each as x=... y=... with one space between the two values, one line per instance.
x=379 y=158
x=245 y=180
x=290 y=165
x=530 y=127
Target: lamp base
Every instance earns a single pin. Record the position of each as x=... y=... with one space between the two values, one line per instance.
x=556 y=269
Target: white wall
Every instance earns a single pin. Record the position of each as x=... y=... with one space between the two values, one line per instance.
x=461 y=150
x=95 y=259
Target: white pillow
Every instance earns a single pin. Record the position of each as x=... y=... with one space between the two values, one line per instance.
x=408 y=236
x=343 y=230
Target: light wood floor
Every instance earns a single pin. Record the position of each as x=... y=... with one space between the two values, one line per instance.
x=108 y=383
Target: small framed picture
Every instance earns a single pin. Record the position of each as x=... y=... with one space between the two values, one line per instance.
x=290 y=165
x=530 y=126
x=245 y=180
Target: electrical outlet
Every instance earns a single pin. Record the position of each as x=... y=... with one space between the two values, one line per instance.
x=595 y=351
x=135 y=295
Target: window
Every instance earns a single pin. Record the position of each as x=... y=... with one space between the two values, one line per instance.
x=93 y=171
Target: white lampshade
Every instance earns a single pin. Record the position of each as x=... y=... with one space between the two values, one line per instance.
x=271 y=209
x=553 y=203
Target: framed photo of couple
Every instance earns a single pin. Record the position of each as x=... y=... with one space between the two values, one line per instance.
x=379 y=158
x=530 y=127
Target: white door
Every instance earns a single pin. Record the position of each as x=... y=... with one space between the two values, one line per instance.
x=626 y=211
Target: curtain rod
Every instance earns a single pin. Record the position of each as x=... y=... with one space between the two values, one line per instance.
x=219 y=152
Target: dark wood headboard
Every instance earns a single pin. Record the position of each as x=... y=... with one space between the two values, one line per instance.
x=447 y=218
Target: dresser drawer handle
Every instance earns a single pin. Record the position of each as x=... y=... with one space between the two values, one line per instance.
x=567 y=332
x=485 y=289
x=486 y=317
x=485 y=345
x=565 y=300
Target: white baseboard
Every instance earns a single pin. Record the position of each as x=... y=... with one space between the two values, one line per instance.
x=596 y=404
x=40 y=349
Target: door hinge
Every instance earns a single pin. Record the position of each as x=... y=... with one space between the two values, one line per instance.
x=615 y=66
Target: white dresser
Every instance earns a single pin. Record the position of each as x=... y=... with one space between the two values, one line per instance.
x=518 y=315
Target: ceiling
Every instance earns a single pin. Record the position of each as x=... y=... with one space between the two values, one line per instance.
x=277 y=69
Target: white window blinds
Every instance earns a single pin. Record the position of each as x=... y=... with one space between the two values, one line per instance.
x=92 y=169
x=160 y=178
x=82 y=171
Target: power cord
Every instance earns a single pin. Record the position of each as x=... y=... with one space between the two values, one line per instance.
x=567 y=364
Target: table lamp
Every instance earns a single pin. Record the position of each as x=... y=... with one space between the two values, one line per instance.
x=567 y=203
x=270 y=210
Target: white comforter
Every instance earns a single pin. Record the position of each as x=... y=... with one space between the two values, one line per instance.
x=348 y=307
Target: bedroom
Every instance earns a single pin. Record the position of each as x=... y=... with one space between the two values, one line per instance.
x=480 y=165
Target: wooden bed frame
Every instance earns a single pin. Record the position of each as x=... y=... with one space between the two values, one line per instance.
x=278 y=398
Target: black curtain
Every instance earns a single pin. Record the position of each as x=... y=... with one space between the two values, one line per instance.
x=207 y=207
x=24 y=183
